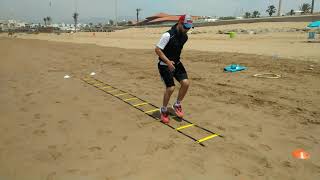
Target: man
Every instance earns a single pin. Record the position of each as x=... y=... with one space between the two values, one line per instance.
x=169 y=49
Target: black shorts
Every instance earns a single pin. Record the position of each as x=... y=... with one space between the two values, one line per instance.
x=167 y=76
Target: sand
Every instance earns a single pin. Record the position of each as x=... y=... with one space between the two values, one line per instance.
x=284 y=44
x=59 y=129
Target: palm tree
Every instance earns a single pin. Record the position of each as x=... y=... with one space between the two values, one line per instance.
x=138 y=10
x=255 y=14
x=75 y=18
x=247 y=15
x=49 y=19
x=291 y=12
x=111 y=22
x=305 y=7
x=45 y=21
x=312 y=8
x=271 y=9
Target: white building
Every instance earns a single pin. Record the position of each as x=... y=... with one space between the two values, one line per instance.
x=298 y=12
x=11 y=24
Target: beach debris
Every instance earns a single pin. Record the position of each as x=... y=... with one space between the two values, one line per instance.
x=92 y=74
x=311 y=67
x=66 y=76
x=275 y=56
x=300 y=154
x=234 y=68
x=268 y=75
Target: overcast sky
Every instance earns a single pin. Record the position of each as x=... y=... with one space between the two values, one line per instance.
x=61 y=10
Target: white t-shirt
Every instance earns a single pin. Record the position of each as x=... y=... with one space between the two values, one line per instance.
x=165 y=38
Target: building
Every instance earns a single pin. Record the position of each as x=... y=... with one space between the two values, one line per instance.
x=298 y=12
x=6 y=25
x=162 y=19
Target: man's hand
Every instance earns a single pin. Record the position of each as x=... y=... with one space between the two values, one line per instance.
x=171 y=66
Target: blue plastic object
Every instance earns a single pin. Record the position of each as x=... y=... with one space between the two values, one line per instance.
x=314 y=24
x=234 y=68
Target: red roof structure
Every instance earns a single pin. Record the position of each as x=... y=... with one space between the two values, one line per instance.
x=162 y=18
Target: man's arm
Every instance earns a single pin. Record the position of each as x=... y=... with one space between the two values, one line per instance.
x=165 y=38
x=162 y=56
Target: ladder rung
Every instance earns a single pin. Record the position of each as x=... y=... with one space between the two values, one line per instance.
x=141 y=104
x=105 y=87
x=117 y=95
x=153 y=110
x=183 y=127
x=207 y=138
x=98 y=84
x=112 y=90
x=130 y=99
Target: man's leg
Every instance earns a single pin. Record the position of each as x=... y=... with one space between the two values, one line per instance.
x=181 y=76
x=167 y=94
x=183 y=89
x=167 y=78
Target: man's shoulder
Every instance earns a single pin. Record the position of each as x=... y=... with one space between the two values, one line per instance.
x=166 y=35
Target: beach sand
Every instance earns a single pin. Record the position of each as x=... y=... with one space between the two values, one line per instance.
x=273 y=39
x=53 y=128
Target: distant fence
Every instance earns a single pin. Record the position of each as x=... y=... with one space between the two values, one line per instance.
x=307 y=18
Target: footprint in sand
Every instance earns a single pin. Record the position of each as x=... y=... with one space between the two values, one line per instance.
x=55 y=155
x=95 y=148
x=73 y=170
x=62 y=122
x=28 y=94
x=124 y=138
x=234 y=171
x=42 y=125
x=23 y=109
x=46 y=156
x=102 y=132
x=39 y=132
x=36 y=116
x=287 y=164
x=253 y=136
x=51 y=175
x=221 y=128
x=112 y=148
x=52 y=147
x=265 y=147
x=259 y=172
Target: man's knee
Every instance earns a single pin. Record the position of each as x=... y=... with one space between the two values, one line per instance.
x=185 y=83
x=170 y=89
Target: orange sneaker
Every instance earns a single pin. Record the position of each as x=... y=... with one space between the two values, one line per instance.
x=178 y=110
x=164 y=116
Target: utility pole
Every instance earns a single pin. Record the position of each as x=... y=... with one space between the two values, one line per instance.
x=312 y=8
x=116 y=11
x=138 y=10
x=279 y=8
x=76 y=6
